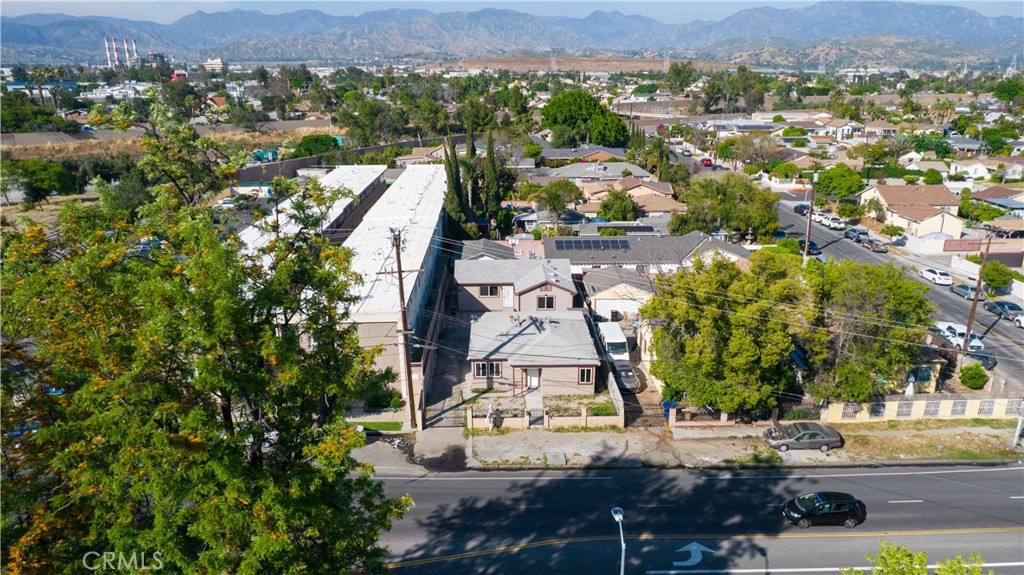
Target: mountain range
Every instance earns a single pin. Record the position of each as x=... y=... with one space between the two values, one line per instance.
x=833 y=33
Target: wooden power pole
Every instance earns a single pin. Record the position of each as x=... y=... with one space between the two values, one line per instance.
x=396 y=241
x=974 y=304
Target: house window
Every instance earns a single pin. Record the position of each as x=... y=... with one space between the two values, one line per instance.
x=959 y=407
x=904 y=408
x=586 y=375
x=931 y=408
x=876 y=410
x=545 y=287
x=850 y=410
x=489 y=291
x=988 y=407
x=546 y=302
x=1013 y=407
x=487 y=369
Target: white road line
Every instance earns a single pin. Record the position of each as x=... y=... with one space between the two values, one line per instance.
x=1017 y=497
x=774 y=570
x=433 y=478
x=908 y=501
x=878 y=474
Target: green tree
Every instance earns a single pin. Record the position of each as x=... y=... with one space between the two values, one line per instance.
x=454 y=198
x=878 y=314
x=997 y=275
x=619 y=206
x=849 y=211
x=555 y=196
x=680 y=75
x=583 y=116
x=314 y=145
x=932 y=177
x=732 y=202
x=973 y=376
x=723 y=334
x=893 y=559
x=785 y=170
x=839 y=181
x=492 y=189
x=40 y=178
x=201 y=416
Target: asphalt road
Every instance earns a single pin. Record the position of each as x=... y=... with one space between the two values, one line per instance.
x=1003 y=339
x=679 y=521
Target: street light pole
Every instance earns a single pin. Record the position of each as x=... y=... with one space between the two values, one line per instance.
x=617 y=514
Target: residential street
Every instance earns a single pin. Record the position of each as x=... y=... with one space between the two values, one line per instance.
x=1003 y=339
x=682 y=521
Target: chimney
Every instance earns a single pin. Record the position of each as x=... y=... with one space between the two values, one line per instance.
x=127 y=58
x=113 y=43
x=135 y=50
x=106 y=48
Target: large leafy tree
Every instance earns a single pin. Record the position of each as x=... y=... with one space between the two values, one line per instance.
x=40 y=178
x=619 y=206
x=840 y=181
x=583 y=117
x=731 y=202
x=555 y=196
x=893 y=559
x=187 y=395
x=724 y=335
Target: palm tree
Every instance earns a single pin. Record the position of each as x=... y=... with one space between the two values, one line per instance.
x=900 y=144
x=942 y=113
x=656 y=155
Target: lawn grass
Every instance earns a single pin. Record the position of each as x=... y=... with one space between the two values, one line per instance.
x=382 y=425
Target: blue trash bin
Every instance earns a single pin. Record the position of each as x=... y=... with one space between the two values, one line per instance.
x=667 y=405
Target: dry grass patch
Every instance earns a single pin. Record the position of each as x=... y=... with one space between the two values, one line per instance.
x=924 y=425
x=966 y=446
x=44 y=213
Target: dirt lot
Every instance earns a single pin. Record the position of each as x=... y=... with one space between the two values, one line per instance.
x=543 y=64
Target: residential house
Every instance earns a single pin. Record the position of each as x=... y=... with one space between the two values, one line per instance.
x=997 y=192
x=515 y=285
x=880 y=129
x=925 y=165
x=614 y=292
x=421 y=155
x=635 y=187
x=920 y=209
x=611 y=171
x=553 y=352
x=571 y=219
x=585 y=153
x=965 y=145
x=1013 y=207
x=813 y=128
x=645 y=226
x=659 y=205
x=645 y=254
x=842 y=129
x=909 y=158
x=485 y=249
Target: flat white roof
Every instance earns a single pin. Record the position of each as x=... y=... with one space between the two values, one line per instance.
x=354 y=178
x=412 y=204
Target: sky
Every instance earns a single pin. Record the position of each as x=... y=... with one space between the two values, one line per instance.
x=667 y=11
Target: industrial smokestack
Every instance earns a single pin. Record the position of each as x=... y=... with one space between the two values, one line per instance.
x=135 y=50
x=106 y=47
x=113 y=44
x=127 y=58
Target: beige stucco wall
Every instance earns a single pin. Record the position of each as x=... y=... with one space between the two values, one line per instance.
x=944 y=222
x=919 y=404
x=554 y=380
x=527 y=301
x=471 y=300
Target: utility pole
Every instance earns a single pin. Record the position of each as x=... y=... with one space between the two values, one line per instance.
x=396 y=241
x=810 y=210
x=974 y=304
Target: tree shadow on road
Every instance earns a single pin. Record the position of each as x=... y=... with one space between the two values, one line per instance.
x=560 y=521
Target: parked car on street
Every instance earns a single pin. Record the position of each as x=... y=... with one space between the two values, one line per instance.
x=686 y=152
x=706 y=162
x=834 y=223
x=802 y=435
x=937 y=277
x=818 y=215
x=856 y=234
x=984 y=357
x=966 y=291
x=1006 y=310
x=802 y=209
x=825 y=508
x=625 y=378
x=812 y=250
x=956 y=332
x=876 y=246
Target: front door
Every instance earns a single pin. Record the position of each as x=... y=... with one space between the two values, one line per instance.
x=532 y=378
x=506 y=297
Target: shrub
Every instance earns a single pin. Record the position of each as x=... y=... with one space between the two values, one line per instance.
x=892 y=231
x=537 y=234
x=974 y=376
x=802 y=413
x=603 y=408
x=751 y=169
x=790 y=245
x=911 y=179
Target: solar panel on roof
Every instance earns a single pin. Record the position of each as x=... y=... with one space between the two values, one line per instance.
x=559 y=244
x=577 y=244
x=588 y=244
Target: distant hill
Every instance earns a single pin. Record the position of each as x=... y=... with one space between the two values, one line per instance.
x=835 y=33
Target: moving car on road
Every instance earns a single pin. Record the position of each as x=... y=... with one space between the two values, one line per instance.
x=834 y=223
x=706 y=162
x=966 y=291
x=1006 y=310
x=802 y=209
x=937 y=277
x=825 y=508
x=802 y=435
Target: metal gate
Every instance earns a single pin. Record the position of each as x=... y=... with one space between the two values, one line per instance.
x=643 y=414
x=536 y=417
x=444 y=417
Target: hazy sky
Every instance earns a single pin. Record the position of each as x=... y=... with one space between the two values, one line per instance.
x=668 y=11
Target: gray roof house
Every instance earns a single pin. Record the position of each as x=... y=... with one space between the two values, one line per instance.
x=515 y=285
x=601 y=171
x=485 y=249
x=586 y=153
x=616 y=293
x=645 y=254
x=552 y=351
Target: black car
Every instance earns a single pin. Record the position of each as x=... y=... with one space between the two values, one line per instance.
x=812 y=250
x=825 y=508
x=1006 y=310
x=802 y=209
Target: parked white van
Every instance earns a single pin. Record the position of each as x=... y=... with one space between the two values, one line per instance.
x=614 y=341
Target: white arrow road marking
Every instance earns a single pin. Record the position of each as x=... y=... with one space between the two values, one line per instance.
x=696 y=554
